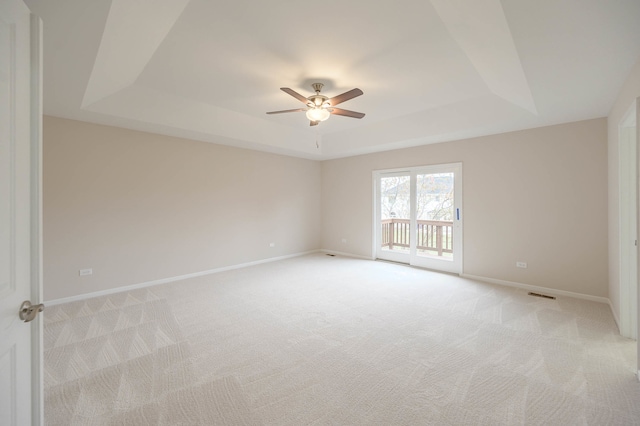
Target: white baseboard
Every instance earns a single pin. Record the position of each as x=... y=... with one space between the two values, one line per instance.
x=171 y=279
x=615 y=315
x=537 y=289
x=340 y=253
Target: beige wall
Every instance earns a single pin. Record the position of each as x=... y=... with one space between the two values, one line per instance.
x=538 y=196
x=138 y=207
x=628 y=94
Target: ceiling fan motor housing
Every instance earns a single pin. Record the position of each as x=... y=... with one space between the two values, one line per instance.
x=317 y=101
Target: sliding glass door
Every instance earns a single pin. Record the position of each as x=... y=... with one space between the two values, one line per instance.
x=418 y=216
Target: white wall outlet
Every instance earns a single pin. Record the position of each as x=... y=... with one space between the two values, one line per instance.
x=272 y=244
x=521 y=265
x=83 y=272
x=344 y=241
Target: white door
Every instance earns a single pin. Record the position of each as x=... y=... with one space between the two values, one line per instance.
x=20 y=119
x=418 y=216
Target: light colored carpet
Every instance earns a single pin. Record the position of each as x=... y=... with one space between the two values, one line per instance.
x=331 y=340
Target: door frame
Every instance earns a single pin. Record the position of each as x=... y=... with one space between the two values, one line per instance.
x=628 y=222
x=456 y=266
x=37 y=293
x=637 y=104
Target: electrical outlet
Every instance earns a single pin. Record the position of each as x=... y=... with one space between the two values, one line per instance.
x=521 y=265
x=272 y=244
x=83 y=272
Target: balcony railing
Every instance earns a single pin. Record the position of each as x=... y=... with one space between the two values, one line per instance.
x=433 y=235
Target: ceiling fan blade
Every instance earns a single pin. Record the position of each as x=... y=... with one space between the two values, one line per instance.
x=346 y=112
x=295 y=94
x=344 y=97
x=314 y=123
x=287 y=110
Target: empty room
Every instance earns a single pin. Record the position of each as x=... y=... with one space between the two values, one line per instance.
x=346 y=213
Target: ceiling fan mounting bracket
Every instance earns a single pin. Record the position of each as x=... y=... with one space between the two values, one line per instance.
x=318 y=100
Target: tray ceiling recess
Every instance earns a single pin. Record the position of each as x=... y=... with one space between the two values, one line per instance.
x=433 y=71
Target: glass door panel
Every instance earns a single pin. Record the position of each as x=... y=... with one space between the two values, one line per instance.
x=438 y=224
x=395 y=217
x=434 y=215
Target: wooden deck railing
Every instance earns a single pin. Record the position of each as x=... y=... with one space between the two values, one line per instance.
x=433 y=235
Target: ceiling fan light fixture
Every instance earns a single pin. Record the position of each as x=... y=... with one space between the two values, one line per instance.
x=318 y=114
x=319 y=107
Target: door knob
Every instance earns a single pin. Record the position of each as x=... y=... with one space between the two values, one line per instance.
x=29 y=312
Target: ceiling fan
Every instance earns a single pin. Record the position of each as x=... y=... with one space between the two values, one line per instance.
x=320 y=107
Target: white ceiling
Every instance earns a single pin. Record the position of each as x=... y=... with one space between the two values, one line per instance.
x=431 y=70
